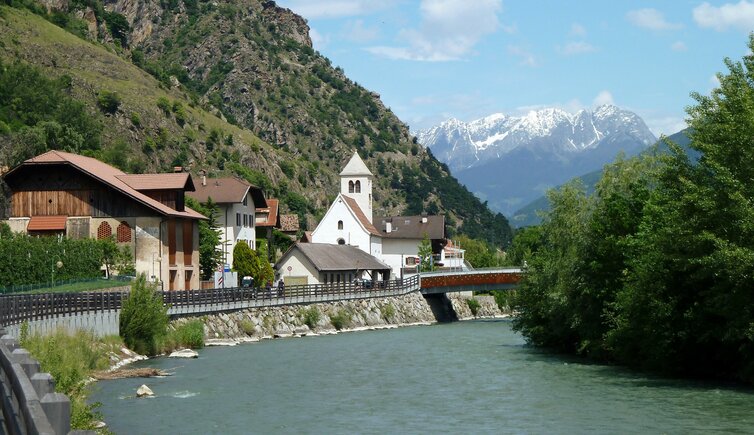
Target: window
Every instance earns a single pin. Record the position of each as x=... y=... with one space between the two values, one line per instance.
x=246 y=200
x=238 y=219
x=251 y=221
x=124 y=233
x=350 y=187
x=357 y=187
x=340 y=225
x=245 y=220
x=104 y=231
x=341 y=242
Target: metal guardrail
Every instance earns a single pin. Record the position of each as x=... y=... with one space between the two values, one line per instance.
x=15 y=309
x=27 y=397
x=483 y=270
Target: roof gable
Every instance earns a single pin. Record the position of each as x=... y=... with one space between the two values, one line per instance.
x=326 y=257
x=174 y=181
x=105 y=174
x=360 y=216
x=355 y=166
x=412 y=227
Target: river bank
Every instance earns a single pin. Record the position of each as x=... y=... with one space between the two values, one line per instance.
x=256 y=324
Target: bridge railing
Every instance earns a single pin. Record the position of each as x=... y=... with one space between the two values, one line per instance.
x=16 y=309
x=480 y=271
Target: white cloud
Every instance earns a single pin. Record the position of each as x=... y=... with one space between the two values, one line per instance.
x=334 y=8
x=604 y=97
x=577 y=30
x=319 y=41
x=650 y=19
x=510 y=28
x=736 y=15
x=678 y=46
x=449 y=30
x=577 y=47
x=356 y=31
x=526 y=57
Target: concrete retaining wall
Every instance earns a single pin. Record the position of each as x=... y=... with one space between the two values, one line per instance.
x=101 y=323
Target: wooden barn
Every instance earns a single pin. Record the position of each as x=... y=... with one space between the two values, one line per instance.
x=78 y=197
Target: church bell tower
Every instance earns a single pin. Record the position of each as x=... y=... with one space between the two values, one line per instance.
x=356 y=183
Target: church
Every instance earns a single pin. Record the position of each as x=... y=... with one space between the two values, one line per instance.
x=389 y=240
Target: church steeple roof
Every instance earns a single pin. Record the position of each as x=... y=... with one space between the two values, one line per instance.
x=355 y=166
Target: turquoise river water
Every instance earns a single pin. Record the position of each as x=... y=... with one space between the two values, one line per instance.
x=466 y=377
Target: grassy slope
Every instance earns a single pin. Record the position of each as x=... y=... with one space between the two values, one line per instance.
x=28 y=37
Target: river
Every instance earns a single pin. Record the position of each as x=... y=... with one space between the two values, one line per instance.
x=463 y=377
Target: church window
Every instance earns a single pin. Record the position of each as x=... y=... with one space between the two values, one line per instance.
x=340 y=225
x=350 y=187
x=357 y=187
x=341 y=242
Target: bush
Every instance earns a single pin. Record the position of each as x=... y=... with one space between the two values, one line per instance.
x=388 y=312
x=143 y=318
x=189 y=334
x=474 y=305
x=341 y=319
x=108 y=101
x=247 y=327
x=70 y=358
x=310 y=317
x=503 y=298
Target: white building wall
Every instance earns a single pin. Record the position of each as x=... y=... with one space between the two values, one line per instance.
x=232 y=233
x=364 y=198
x=394 y=252
x=300 y=266
x=352 y=233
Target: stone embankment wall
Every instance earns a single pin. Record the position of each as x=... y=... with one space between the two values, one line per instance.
x=286 y=321
x=487 y=307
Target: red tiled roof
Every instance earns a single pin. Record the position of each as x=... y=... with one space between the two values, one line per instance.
x=173 y=181
x=272 y=213
x=108 y=175
x=227 y=190
x=46 y=223
x=360 y=215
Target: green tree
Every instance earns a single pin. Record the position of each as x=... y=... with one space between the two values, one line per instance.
x=425 y=254
x=108 y=101
x=144 y=317
x=209 y=237
x=244 y=259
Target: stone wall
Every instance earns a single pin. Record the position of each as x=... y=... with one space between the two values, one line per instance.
x=286 y=321
x=487 y=307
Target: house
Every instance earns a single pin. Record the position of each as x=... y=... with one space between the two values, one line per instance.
x=320 y=263
x=393 y=240
x=80 y=197
x=402 y=235
x=237 y=202
x=267 y=218
x=452 y=257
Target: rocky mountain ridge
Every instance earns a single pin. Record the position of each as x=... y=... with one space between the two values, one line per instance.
x=509 y=161
x=551 y=130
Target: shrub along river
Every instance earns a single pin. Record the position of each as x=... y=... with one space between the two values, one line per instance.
x=463 y=377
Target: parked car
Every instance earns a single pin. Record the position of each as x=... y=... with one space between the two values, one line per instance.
x=247 y=282
x=362 y=283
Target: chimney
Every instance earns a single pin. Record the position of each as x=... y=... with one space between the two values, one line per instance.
x=388 y=227
x=424 y=218
x=177 y=169
x=204 y=177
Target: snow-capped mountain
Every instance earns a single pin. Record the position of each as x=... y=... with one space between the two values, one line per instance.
x=509 y=160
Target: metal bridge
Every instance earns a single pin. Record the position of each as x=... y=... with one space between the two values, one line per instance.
x=478 y=280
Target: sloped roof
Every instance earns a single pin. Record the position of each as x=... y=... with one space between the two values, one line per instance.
x=106 y=174
x=272 y=213
x=227 y=190
x=412 y=227
x=289 y=222
x=174 y=181
x=353 y=205
x=355 y=166
x=46 y=223
x=325 y=257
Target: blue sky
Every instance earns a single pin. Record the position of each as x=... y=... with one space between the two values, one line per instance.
x=434 y=59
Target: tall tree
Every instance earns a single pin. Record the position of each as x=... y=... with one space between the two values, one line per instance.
x=425 y=255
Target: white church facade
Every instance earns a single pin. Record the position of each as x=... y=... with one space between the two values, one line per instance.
x=392 y=240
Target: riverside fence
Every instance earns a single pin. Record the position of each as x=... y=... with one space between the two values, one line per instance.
x=105 y=306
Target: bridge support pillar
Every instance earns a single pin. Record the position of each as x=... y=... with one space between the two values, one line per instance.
x=441 y=307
